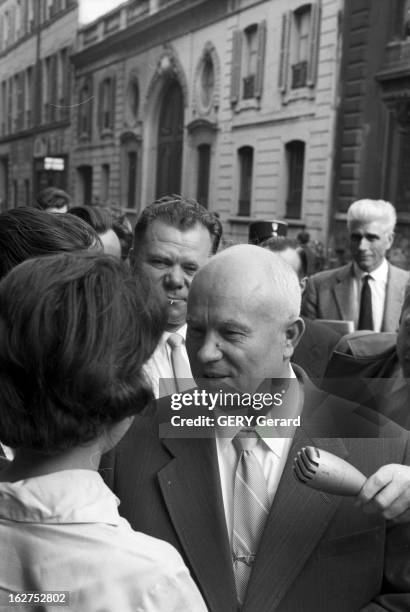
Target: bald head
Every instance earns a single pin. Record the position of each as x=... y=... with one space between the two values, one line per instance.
x=243 y=318
x=251 y=273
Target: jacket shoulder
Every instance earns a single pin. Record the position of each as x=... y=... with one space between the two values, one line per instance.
x=328 y=277
x=399 y=274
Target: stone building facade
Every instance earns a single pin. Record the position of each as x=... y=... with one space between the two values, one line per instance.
x=36 y=39
x=274 y=109
x=232 y=102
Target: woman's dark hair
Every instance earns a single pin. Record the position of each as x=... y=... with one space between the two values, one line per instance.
x=124 y=234
x=27 y=232
x=75 y=331
x=52 y=197
x=98 y=217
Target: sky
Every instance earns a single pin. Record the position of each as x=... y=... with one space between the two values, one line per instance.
x=91 y=9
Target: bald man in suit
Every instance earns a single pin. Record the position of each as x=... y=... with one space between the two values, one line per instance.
x=313 y=551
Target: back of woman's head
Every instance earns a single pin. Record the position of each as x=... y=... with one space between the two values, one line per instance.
x=28 y=232
x=75 y=331
x=52 y=198
x=100 y=219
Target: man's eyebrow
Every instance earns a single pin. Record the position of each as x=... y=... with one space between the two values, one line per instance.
x=366 y=235
x=235 y=323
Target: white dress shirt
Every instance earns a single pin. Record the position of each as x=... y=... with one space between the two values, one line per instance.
x=62 y=532
x=378 y=285
x=7 y=451
x=271 y=451
x=160 y=364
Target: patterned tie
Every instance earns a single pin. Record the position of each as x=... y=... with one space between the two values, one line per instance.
x=250 y=509
x=366 y=309
x=182 y=371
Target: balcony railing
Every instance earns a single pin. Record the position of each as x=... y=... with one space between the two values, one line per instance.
x=119 y=19
x=249 y=87
x=397 y=54
x=299 y=75
x=137 y=9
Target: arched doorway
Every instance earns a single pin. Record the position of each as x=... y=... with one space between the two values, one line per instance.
x=170 y=139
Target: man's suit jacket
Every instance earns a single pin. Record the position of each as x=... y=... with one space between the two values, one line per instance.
x=315 y=349
x=365 y=367
x=329 y=295
x=317 y=553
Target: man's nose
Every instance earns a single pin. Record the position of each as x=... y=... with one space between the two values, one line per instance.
x=209 y=350
x=363 y=243
x=174 y=278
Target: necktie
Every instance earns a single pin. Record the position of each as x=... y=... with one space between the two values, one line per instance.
x=182 y=371
x=250 y=509
x=366 y=310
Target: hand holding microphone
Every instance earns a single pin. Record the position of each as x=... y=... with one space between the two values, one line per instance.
x=326 y=472
x=387 y=491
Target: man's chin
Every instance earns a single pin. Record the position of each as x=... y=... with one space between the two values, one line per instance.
x=176 y=315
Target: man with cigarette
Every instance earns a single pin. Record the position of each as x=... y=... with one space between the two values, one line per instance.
x=173 y=238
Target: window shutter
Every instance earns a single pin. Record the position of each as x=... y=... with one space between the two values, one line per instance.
x=260 y=65
x=284 y=51
x=90 y=106
x=53 y=87
x=20 y=101
x=313 y=44
x=10 y=105
x=236 y=65
x=12 y=31
x=1 y=32
x=38 y=92
x=112 y=102
x=100 y=120
x=24 y=17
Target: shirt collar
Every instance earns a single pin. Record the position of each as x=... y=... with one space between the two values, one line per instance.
x=271 y=436
x=380 y=274
x=181 y=331
x=69 y=496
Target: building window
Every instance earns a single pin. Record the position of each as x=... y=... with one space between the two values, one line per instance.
x=132 y=159
x=10 y=106
x=3 y=112
x=20 y=90
x=15 y=194
x=299 y=47
x=295 y=160
x=133 y=101
x=85 y=107
x=29 y=97
x=17 y=20
x=30 y=15
x=207 y=82
x=27 y=194
x=106 y=101
x=62 y=93
x=248 y=60
x=245 y=155
x=85 y=184
x=204 y=164
x=105 y=182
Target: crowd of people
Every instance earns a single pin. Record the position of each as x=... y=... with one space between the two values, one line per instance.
x=103 y=325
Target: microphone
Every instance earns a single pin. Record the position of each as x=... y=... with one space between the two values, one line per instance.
x=326 y=472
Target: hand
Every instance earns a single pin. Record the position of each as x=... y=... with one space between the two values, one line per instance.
x=387 y=491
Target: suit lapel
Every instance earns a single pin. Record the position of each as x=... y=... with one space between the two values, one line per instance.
x=393 y=301
x=343 y=293
x=298 y=518
x=191 y=489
